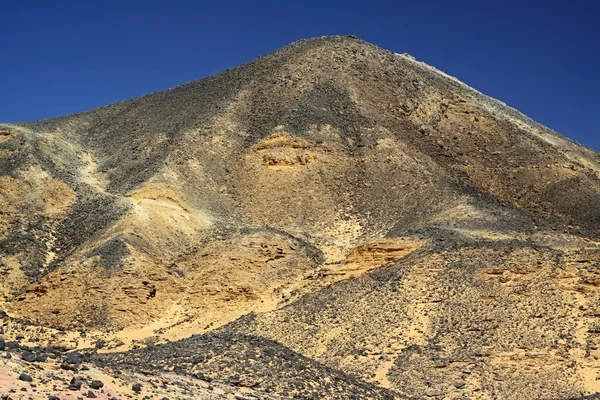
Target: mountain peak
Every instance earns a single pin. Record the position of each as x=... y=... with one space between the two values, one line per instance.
x=344 y=217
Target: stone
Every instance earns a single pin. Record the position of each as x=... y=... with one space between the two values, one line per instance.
x=203 y=377
x=96 y=384
x=28 y=356
x=75 y=383
x=68 y=367
x=12 y=345
x=73 y=358
x=460 y=384
x=25 y=378
x=137 y=387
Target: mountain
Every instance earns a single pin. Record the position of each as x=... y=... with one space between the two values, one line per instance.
x=331 y=220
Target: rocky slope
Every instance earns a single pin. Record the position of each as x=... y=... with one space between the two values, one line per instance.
x=368 y=225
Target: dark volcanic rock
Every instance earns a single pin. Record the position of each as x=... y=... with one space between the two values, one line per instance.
x=75 y=383
x=68 y=367
x=73 y=358
x=25 y=378
x=28 y=356
x=96 y=384
x=12 y=345
x=137 y=387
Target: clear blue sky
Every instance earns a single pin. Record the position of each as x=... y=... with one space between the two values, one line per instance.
x=59 y=57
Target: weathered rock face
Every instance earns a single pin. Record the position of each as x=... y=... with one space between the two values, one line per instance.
x=358 y=207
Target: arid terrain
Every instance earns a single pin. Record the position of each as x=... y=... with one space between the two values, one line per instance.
x=329 y=221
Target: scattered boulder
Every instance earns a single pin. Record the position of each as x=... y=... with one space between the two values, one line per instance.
x=179 y=371
x=137 y=388
x=203 y=377
x=28 y=356
x=12 y=345
x=68 y=367
x=460 y=384
x=90 y=395
x=73 y=358
x=96 y=384
x=2 y=343
x=25 y=378
x=75 y=383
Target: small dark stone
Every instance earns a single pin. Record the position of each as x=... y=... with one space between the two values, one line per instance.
x=51 y=397
x=203 y=377
x=2 y=343
x=8 y=356
x=68 y=367
x=90 y=395
x=28 y=356
x=460 y=384
x=20 y=336
x=97 y=384
x=25 y=378
x=137 y=387
x=75 y=383
x=179 y=371
x=12 y=345
x=73 y=358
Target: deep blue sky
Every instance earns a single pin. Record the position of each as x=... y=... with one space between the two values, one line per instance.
x=60 y=57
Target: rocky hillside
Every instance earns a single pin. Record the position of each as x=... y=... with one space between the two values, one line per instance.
x=332 y=220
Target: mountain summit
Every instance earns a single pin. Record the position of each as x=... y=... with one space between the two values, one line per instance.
x=332 y=220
